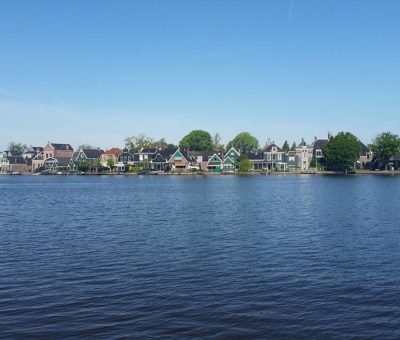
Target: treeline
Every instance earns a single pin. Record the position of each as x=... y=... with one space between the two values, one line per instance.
x=340 y=152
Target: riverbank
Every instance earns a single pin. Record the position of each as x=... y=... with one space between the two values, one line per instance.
x=313 y=173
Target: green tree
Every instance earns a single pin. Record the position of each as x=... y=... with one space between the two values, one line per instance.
x=110 y=163
x=342 y=151
x=385 y=146
x=285 y=146
x=217 y=145
x=17 y=149
x=293 y=148
x=198 y=140
x=86 y=147
x=160 y=144
x=244 y=164
x=244 y=142
x=136 y=143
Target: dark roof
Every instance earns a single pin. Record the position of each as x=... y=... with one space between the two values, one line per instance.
x=167 y=153
x=149 y=150
x=302 y=143
x=187 y=156
x=269 y=148
x=319 y=144
x=206 y=155
x=255 y=155
x=364 y=150
x=63 y=161
x=58 y=146
x=93 y=153
x=16 y=160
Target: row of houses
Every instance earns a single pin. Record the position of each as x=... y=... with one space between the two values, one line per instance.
x=57 y=157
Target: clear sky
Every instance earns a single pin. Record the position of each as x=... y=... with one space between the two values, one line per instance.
x=97 y=71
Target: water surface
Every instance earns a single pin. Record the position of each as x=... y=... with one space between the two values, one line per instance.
x=265 y=256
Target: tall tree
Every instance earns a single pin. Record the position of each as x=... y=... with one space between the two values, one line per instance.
x=293 y=148
x=17 y=149
x=385 y=146
x=342 y=151
x=85 y=146
x=244 y=142
x=285 y=146
x=136 y=143
x=198 y=140
x=244 y=164
x=217 y=145
x=160 y=143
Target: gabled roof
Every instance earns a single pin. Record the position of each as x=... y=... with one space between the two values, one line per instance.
x=58 y=146
x=16 y=160
x=148 y=150
x=113 y=151
x=255 y=156
x=319 y=144
x=167 y=152
x=215 y=160
x=229 y=151
x=92 y=153
x=364 y=150
x=269 y=148
x=302 y=143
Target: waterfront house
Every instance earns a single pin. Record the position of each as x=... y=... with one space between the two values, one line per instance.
x=125 y=160
x=365 y=155
x=304 y=153
x=59 y=164
x=396 y=161
x=4 y=162
x=215 y=162
x=143 y=158
x=202 y=158
x=257 y=160
x=110 y=155
x=182 y=160
x=51 y=150
x=274 y=158
x=88 y=155
x=292 y=161
x=160 y=161
x=17 y=164
x=231 y=159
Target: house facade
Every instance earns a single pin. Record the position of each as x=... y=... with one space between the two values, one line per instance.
x=17 y=164
x=275 y=158
x=4 y=162
x=231 y=160
x=304 y=154
x=51 y=150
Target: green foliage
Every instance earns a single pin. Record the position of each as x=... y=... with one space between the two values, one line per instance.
x=110 y=163
x=85 y=146
x=198 y=140
x=160 y=144
x=136 y=143
x=342 y=151
x=285 y=146
x=134 y=169
x=293 y=148
x=17 y=149
x=385 y=146
x=244 y=142
x=244 y=164
x=217 y=145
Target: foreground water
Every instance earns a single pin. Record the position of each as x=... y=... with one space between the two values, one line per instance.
x=272 y=256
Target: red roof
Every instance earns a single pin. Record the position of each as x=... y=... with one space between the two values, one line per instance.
x=113 y=151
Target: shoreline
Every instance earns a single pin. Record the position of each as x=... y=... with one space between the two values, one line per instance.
x=320 y=173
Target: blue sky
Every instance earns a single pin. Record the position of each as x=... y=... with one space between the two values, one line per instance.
x=98 y=71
